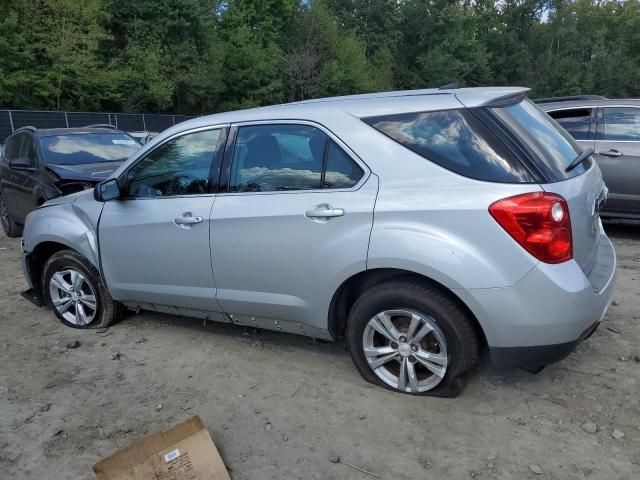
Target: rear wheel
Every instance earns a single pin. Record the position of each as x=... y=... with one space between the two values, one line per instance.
x=412 y=338
x=11 y=228
x=74 y=288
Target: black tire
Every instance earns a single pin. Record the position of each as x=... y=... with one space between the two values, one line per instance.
x=10 y=227
x=107 y=310
x=462 y=343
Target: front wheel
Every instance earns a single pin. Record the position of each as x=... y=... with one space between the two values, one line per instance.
x=412 y=338
x=75 y=290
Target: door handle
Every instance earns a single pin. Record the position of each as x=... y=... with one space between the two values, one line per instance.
x=186 y=219
x=611 y=153
x=324 y=212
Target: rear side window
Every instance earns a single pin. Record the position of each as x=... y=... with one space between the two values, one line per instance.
x=550 y=143
x=455 y=140
x=278 y=158
x=621 y=124
x=12 y=147
x=342 y=172
x=576 y=121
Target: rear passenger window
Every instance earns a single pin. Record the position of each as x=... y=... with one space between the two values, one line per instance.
x=576 y=121
x=341 y=172
x=455 y=140
x=278 y=158
x=621 y=124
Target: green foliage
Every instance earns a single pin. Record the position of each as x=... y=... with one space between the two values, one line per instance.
x=199 y=56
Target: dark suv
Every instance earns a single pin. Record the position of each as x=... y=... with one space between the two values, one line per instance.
x=612 y=128
x=38 y=165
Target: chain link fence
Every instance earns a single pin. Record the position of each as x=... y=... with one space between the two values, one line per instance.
x=10 y=120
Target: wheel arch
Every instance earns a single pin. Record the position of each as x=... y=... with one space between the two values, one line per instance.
x=39 y=256
x=352 y=288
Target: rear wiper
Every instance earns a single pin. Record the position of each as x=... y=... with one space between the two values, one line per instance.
x=586 y=153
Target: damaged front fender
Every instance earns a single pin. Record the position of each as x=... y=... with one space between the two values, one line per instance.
x=72 y=223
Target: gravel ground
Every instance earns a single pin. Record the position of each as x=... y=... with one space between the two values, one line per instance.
x=281 y=406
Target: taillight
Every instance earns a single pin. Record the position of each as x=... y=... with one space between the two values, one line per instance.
x=539 y=222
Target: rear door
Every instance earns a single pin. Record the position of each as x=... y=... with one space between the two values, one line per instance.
x=618 y=153
x=292 y=223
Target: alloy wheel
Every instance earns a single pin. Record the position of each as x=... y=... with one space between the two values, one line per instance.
x=73 y=296
x=406 y=350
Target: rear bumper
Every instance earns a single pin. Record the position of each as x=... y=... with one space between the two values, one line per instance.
x=542 y=318
x=536 y=356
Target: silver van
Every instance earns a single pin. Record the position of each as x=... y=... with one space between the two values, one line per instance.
x=421 y=226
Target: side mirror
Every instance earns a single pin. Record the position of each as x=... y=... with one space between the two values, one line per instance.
x=107 y=190
x=21 y=163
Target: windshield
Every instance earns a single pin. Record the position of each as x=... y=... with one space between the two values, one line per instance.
x=90 y=147
x=548 y=140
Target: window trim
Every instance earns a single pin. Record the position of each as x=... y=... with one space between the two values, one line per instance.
x=600 y=124
x=225 y=175
x=214 y=171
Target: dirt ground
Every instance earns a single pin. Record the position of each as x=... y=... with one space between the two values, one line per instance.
x=280 y=406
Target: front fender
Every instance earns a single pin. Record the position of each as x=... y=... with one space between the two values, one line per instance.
x=72 y=224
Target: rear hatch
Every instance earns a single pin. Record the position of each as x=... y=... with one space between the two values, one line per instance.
x=554 y=149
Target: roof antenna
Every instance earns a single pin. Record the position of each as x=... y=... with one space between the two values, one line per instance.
x=455 y=85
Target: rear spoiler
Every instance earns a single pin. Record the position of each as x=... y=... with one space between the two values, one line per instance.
x=491 y=99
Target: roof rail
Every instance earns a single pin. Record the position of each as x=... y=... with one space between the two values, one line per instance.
x=26 y=127
x=569 y=98
x=101 y=125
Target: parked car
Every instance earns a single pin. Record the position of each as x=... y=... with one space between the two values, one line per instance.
x=423 y=226
x=612 y=128
x=41 y=164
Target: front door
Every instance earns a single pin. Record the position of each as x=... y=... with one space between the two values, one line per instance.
x=154 y=241
x=618 y=154
x=293 y=223
x=26 y=180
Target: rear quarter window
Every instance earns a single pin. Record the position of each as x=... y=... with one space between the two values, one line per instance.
x=456 y=140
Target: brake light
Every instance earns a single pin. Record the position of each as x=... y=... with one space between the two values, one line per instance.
x=539 y=222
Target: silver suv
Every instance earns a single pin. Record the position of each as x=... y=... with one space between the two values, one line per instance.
x=422 y=226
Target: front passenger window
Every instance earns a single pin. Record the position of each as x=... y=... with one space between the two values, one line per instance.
x=179 y=167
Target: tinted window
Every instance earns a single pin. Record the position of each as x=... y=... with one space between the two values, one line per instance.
x=79 y=148
x=12 y=147
x=456 y=140
x=551 y=143
x=28 y=149
x=179 y=167
x=621 y=124
x=342 y=171
x=576 y=122
x=269 y=158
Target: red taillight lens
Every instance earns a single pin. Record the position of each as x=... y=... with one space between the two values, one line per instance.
x=539 y=222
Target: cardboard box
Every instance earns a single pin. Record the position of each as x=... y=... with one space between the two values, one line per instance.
x=185 y=452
